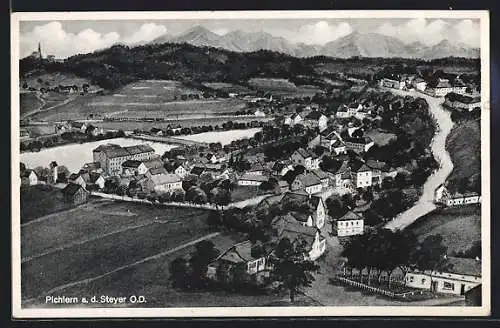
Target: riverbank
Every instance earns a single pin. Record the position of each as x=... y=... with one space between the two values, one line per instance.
x=438 y=148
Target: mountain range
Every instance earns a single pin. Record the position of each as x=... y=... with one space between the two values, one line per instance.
x=353 y=45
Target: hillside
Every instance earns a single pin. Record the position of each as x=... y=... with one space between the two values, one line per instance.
x=464 y=145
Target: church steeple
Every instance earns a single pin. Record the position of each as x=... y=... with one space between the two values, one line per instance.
x=39 y=51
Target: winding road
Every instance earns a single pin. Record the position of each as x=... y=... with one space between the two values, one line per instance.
x=426 y=202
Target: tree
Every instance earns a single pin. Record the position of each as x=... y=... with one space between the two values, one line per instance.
x=204 y=253
x=179 y=273
x=335 y=207
x=222 y=197
x=22 y=168
x=62 y=173
x=291 y=269
x=43 y=173
x=348 y=201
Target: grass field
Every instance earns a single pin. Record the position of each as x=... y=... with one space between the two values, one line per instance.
x=459 y=226
x=282 y=87
x=40 y=200
x=228 y=87
x=244 y=192
x=464 y=145
x=148 y=98
x=151 y=279
x=28 y=102
x=143 y=125
x=107 y=250
x=51 y=80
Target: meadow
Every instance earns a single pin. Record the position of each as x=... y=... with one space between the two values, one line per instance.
x=464 y=145
x=143 y=99
x=28 y=102
x=282 y=87
x=83 y=250
x=459 y=226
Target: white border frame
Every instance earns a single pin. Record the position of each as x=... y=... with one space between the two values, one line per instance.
x=484 y=310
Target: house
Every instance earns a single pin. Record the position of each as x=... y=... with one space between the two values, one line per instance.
x=78 y=126
x=309 y=182
x=77 y=178
x=166 y=182
x=179 y=169
x=419 y=83
x=461 y=102
x=338 y=147
x=393 y=83
x=287 y=227
x=92 y=167
x=317 y=119
x=243 y=254
x=359 y=145
x=29 y=178
x=251 y=179
x=212 y=158
x=310 y=208
x=133 y=167
x=303 y=157
x=155 y=171
x=111 y=156
x=344 y=111
x=322 y=176
x=256 y=168
x=471 y=198
x=94 y=131
x=458 y=86
x=96 y=181
x=280 y=168
x=441 y=88
x=350 y=224
x=455 y=199
x=460 y=276
x=440 y=194
x=75 y=194
x=283 y=186
x=24 y=134
x=361 y=176
x=293 y=119
x=380 y=170
x=259 y=113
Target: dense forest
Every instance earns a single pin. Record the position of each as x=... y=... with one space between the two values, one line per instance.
x=119 y=65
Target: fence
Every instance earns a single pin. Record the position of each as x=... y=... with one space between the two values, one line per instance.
x=402 y=296
x=145 y=201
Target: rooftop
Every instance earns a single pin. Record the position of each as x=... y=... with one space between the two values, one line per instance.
x=160 y=179
x=71 y=189
x=308 y=179
x=131 y=164
x=350 y=215
x=253 y=177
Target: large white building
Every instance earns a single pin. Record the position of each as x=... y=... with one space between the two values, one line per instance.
x=111 y=156
x=462 y=102
x=462 y=275
x=305 y=158
x=362 y=177
x=350 y=224
x=166 y=182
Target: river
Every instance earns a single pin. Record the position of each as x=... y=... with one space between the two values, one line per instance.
x=426 y=202
x=73 y=156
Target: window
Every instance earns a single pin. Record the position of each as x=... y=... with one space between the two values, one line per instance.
x=411 y=278
x=423 y=281
x=448 y=285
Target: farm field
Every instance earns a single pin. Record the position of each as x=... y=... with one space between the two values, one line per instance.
x=282 y=87
x=146 y=98
x=144 y=125
x=224 y=137
x=459 y=226
x=28 y=102
x=228 y=87
x=53 y=79
x=151 y=279
x=173 y=227
x=464 y=145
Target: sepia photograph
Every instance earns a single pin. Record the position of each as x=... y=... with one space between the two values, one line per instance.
x=250 y=164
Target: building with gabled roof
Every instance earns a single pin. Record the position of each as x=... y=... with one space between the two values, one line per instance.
x=111 y=157
x=350 y=224
x=358 y=145
x=308 y=182
x=458 y=276
x=286 y=226
x=248 y=179
x=75 y=194
x=305 y=158
x=166 y=182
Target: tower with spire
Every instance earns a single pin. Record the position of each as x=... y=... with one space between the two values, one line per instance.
x=39 y=51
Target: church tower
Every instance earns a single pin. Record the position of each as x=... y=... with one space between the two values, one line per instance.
x=39 y=51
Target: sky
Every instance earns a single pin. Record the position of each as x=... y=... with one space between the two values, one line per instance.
x=66 y=38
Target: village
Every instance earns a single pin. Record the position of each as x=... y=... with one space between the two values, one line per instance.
x=308 y=175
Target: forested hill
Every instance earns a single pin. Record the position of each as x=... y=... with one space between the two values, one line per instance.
x=119 y=65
